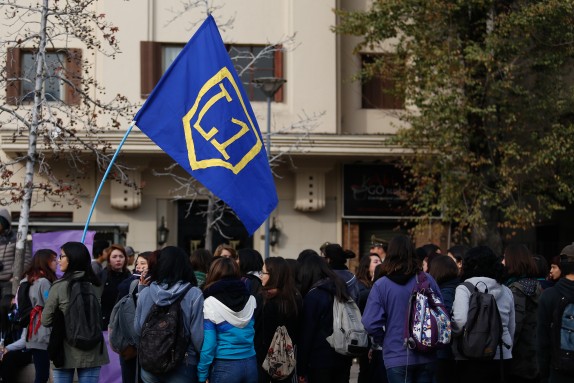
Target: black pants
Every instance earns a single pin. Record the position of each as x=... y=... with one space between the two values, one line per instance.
x=481 y=371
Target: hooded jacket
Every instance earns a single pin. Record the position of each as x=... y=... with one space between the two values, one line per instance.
x=228 y=324
x=546 y=305
x=191 y=306
x=385 y=315
x=505 y=303
x=8 y=249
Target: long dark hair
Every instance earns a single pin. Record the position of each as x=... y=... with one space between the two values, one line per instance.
x=282 y=283
x=173 y=266
x=443 y=269
x=40 y=267
x=313 y=269
x=79 y=260
x=519 y=261
x=401 y=258
x=363 y=274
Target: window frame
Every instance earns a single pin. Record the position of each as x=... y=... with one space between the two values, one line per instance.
x=73 y=71
x=379 y=92
x=151 y=61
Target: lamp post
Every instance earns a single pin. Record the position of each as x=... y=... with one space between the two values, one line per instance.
x=162 y=233
x=269 y=86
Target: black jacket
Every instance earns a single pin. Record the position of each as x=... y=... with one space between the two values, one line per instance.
x=547 y=303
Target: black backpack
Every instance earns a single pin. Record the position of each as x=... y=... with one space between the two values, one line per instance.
x=482 y=334
x=563 y=337
x=83 y=318
x=163 y=341
x=22 y=317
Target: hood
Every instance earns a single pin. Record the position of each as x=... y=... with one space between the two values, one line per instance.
x=164 y=296
x=528 y=286
x=217 y=312
x=493 y=286
x=566 y=288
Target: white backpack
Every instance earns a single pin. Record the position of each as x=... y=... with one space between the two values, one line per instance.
x=349 y=336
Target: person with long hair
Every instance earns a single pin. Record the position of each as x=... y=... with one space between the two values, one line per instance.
x=128 y=360
x=40 y=276
x=386 y=312
x=173 y=276
x=317 y=361
x=282 y=305
x=228 y=352
x=225 y=250
x=200 y=261
x=371 y=366
x=483 y=269
x=445 y=272
x=521 y=271
x=75 y=262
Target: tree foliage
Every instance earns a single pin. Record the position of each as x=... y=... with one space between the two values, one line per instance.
x=57 y=106
x=490 y=120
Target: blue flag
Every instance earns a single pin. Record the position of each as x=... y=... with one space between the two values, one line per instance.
x=200 y=115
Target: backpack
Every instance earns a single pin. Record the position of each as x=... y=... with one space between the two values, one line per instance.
x=482 y=333
x=427 y=326
x=122 y=335
x=163 y=341
x=83 y=318
x=563 y=337
x=22 y=317
x=279 y=362
x=349 y=336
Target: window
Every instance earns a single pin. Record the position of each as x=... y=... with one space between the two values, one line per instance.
x=157 y=57
x=382 y=90
x=21 y=67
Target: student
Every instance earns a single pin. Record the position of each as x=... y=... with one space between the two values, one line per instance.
x=282 y=306
x=74 y=261
x=228 y=352
x=40 y=275
x=386 y=310
x=547 y=303
x=445 y=271
x=337 y=258
x=15 y=356
x=317 y=361
x=173 y=277
x=371 y=366
x=482 y=268
x=521 y=273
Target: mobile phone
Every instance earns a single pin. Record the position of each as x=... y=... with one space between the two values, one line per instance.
x=137 y=275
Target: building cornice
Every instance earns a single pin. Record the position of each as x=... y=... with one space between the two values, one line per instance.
x=295 y=144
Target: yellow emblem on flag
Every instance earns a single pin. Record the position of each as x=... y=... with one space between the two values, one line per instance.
x=198 y=111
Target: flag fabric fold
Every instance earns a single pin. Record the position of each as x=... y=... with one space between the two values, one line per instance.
x=200 y=115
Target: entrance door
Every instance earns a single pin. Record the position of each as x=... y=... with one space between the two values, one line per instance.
x=191 y=228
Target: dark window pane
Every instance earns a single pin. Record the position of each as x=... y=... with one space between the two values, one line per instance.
x=54 y=67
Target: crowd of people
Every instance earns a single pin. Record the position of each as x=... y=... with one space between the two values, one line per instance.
x=230 y=304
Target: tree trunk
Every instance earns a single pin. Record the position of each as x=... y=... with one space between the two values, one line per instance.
x=209 y=218
x=32 y=155
x=488 y=234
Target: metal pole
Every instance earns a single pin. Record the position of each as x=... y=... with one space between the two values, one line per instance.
x=268 y=147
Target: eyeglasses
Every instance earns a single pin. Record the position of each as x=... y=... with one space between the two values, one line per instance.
x=262 y=273
x=62 y=256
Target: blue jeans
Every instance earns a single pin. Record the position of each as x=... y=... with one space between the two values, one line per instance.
x=85 y=375
x=234 y=371
x=185 y=373
x=418 y=373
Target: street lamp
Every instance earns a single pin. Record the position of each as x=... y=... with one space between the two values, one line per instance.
x=269 y=86
x=162 y=233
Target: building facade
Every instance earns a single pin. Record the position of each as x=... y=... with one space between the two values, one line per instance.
x=336 y=177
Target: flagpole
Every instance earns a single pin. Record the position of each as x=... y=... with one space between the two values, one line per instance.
x=104 y=179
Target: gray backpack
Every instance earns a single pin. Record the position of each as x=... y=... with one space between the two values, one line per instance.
x=121 y=328
x=349 y=336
